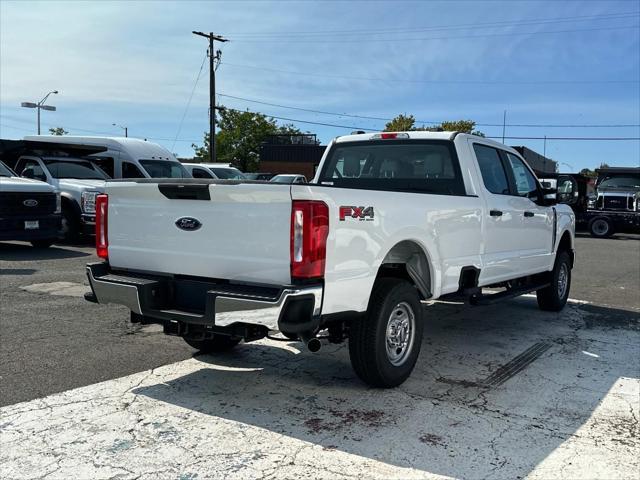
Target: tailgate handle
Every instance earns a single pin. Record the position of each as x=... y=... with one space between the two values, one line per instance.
x=180 y=191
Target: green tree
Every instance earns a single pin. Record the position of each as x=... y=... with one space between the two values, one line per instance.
x=239 y=137
x=592 y=173
x=57 y=131
x=403 y=123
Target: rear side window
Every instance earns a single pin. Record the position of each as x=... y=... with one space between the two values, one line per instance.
x=130 y=170
x=164 y=169
x=493 y=174
x=106 y=164
x=427 y=166
x=200 y=173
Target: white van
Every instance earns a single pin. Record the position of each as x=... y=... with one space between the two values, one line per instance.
x=126 y=157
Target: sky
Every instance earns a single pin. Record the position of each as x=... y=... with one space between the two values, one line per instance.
x=553 y=66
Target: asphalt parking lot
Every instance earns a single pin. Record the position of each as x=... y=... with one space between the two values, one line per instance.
x=504 y=391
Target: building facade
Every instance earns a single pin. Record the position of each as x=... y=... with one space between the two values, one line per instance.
x=299 y=154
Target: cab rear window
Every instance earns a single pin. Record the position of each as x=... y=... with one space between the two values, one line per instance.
x=428 y=166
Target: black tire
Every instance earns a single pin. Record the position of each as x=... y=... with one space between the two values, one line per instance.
x=601 y=227
x=219 y=343
x=70 y=229
x=42 y=243
x=291 y=336
x=368 y=346
x=553 y=298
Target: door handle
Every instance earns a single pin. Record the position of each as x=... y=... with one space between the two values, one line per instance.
x=528 y=214
x=495 y=213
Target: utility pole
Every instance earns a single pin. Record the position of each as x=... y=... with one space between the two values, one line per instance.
x=504 y=124
x=212 y=90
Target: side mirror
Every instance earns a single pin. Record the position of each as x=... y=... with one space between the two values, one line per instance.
x=549 y=197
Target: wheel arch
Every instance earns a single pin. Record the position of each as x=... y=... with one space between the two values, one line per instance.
x=408 y=259
x=68 y=201
x=566 y=244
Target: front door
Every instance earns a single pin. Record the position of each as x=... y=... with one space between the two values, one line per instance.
x=535 y=238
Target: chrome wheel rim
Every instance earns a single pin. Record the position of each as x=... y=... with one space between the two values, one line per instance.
x=563 y=280
x=600 y=227
x=400 y=333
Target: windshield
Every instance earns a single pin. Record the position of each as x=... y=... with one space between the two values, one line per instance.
x=80 y=169
x=6 y=171
x=164 y=169
x=228 y=173
x=429 y=166
x=627 y=181
x=283 y=179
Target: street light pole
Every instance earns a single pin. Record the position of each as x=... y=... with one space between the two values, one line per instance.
x=126 y=130
x=41 y=106
x=212 y=91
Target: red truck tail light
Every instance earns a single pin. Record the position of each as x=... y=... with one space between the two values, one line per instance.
x=102 y=216
x=309 y=231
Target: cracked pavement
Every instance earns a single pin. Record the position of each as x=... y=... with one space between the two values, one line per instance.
x=270 y=410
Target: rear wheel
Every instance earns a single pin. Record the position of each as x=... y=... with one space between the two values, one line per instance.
x=554 y=297
x=601 y=227
x=42 y=243
x=219 y=343
x=384 y=345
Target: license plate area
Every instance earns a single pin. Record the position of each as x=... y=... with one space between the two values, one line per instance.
x=31 y=224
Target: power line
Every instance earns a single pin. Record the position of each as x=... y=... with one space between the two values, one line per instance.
x=401 y=80
x=386 y=119
x=186 y=108
x=572 y=138
x=387 y=40
x=504 y=23
x=377 y=130
x=303 y=121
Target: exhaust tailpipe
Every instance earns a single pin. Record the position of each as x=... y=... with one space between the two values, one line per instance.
x=311 y=341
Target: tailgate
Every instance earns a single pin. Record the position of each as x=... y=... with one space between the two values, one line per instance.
x=244 y=231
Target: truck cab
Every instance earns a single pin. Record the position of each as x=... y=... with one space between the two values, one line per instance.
x=616 y=204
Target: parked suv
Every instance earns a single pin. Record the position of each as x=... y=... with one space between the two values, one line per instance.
x=222 y=171
x=616 y=205
x=29 y=209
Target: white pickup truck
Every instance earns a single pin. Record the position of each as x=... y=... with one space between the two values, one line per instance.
x=390 y=220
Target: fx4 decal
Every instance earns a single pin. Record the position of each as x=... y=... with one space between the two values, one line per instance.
x=361 y=213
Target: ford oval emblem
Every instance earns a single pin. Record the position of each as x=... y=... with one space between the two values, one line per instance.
x=30 y=202
x=188 y=223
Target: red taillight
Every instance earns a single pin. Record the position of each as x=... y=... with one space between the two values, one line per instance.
x=388 y=136
x=309 y=231
x=102 y=215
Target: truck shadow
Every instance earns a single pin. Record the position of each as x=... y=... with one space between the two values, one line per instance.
x=473 y=408
x=21 y=252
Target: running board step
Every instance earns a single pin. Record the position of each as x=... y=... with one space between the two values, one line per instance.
x=481 y=299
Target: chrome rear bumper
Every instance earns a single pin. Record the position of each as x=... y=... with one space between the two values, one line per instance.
x=288 y=308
